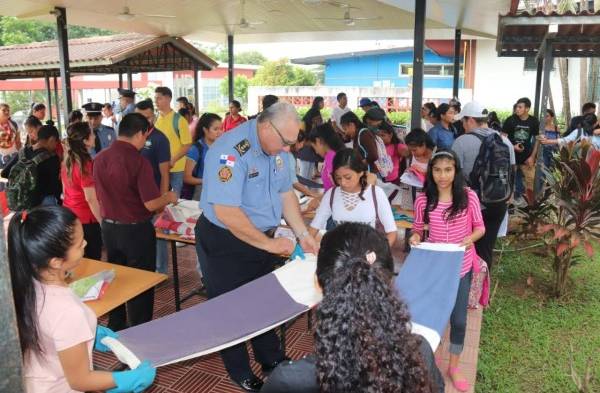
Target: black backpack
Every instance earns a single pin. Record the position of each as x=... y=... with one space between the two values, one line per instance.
x=492 y=176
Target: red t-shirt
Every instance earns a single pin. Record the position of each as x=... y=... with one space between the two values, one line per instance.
x=230 y=123
x=74 y=197
x=124 y=182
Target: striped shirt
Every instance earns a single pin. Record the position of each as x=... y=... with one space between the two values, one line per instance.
x=454 y=230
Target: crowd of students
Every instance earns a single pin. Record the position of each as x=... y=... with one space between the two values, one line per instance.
x=110 y=182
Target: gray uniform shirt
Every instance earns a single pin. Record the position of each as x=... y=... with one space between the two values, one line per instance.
x=467 y=147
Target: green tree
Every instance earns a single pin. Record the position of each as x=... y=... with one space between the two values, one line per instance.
x=22 y=31
x=240 y=88
x=250 y=57
x=219 y=53
x=282 y=73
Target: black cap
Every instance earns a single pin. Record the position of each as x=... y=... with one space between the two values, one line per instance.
x=376 y=113
x=126 y=93
x=92 y=108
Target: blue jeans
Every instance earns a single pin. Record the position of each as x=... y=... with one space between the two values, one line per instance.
x=458 y=318
x=547 y=153
x=519 y=186
x=176 y=180
x=162 y=253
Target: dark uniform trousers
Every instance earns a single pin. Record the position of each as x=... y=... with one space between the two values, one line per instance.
x=493 y=215
x=131 y=245
x=92 y=233
x=228 y=264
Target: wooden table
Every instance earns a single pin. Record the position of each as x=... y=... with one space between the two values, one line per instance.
x=128 y=283
x=173 y=239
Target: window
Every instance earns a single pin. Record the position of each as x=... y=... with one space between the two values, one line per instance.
x=431 y=69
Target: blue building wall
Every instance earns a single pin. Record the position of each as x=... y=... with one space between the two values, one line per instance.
x=366 y=71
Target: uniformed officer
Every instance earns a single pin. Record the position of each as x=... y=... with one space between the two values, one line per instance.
x=247 y=189
x=126 y=103
x=105 y=135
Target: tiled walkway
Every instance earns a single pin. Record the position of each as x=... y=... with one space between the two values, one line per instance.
x=207 y=374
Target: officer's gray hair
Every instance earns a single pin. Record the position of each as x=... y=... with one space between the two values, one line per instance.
x=279 y=113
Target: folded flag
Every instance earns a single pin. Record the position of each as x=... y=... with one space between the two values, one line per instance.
x=428 y=283
x=289 y=291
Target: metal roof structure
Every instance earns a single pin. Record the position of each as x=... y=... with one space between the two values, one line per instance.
x=570 y=35
x=103 y=55
x=277 y=20
x=321 y=59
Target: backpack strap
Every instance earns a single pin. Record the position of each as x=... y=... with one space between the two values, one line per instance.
x=43 y=156
x=374 y=195
x=176 y=117
x=479 y=136
x=21 y=155
x=331 y=198
x=366 y=154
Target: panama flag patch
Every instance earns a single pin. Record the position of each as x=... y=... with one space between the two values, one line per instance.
x=228 y=160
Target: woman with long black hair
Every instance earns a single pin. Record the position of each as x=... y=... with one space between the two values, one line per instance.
x=363 y=341
x=56 y=330
x=208 y=129
x=79 y=191
x=326 y=143
x=307 y=156
x=453 y=214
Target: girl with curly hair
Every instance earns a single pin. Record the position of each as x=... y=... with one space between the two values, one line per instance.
x=363 y=341
x=453 y=214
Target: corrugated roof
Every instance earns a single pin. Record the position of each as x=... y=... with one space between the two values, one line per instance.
x=522 y=34
x=527 y=14
x=106 y=54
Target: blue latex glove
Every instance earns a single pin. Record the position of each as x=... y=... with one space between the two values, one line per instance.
x=102 y=332
x=136 y=380
x=298 y=252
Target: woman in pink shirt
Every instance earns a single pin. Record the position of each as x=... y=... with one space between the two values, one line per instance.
x=56 y=330
x=453 y=214
x=326 y=142
x=395 y=149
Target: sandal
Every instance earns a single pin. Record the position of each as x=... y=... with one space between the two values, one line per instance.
x=461 y=385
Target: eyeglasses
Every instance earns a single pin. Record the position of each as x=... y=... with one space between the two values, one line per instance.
x=283 y=140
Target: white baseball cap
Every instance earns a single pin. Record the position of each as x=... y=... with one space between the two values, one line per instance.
x=472 y=109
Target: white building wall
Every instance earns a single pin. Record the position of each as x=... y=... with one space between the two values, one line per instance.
x=500 y=81
x=354 y=94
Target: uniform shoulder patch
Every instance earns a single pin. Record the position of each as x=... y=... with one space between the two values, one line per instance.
x=242 y=147
x=225 y=174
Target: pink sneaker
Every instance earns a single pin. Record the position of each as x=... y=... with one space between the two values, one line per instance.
x=462 y=385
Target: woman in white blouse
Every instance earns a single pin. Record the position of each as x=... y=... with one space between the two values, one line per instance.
x=353 y=200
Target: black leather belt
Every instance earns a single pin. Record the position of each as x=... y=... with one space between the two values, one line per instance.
x=115 y=222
